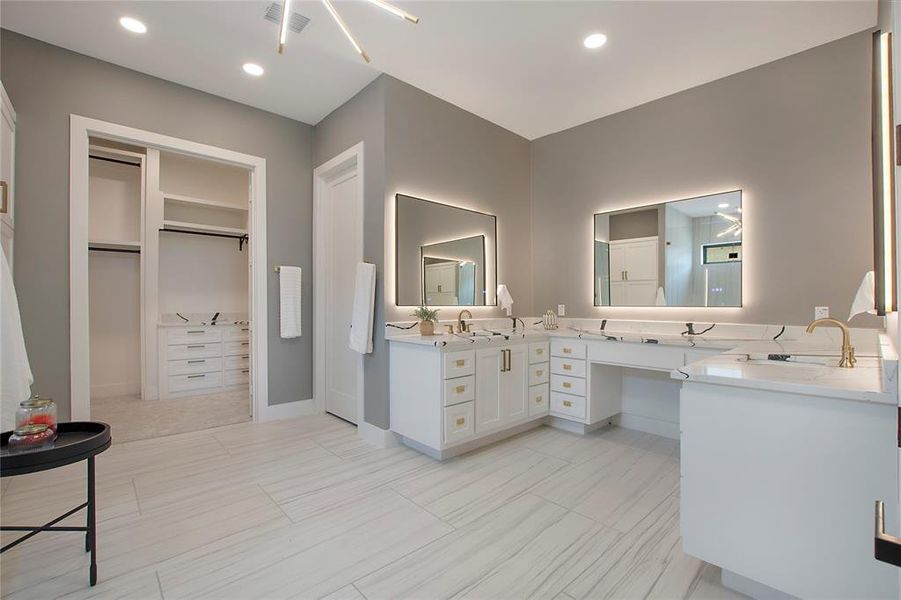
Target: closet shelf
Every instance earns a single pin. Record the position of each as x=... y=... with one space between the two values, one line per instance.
x=113 y=245
x=201 y=202
x=203 y=228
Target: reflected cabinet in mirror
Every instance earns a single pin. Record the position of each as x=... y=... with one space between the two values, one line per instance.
x=445 y=255
x=679 y=253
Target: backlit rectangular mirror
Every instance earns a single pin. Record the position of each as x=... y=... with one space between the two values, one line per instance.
x=445 y=255
x=680 y=253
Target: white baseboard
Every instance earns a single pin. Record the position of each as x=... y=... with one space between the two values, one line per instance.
x=288 y=410
x=381 y=438
x=751 y=588
x=573 y=426
x=648 y=425
x=109 y=390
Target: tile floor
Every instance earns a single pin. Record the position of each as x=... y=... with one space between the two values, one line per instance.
x=304 y=509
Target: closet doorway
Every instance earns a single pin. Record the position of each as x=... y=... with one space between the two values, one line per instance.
x=168 y=313
x=337 y=248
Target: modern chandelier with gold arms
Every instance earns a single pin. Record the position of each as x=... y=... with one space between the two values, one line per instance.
x=286 y=15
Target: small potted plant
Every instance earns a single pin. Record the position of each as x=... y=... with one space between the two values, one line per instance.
x=427 y=319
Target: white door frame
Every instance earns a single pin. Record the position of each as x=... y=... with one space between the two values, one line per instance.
x=80 y=130
x=352 y=158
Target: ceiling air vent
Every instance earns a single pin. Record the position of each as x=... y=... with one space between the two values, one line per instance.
x=295 y=24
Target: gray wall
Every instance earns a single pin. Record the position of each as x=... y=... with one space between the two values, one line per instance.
x=794 y=135
x=46 y=84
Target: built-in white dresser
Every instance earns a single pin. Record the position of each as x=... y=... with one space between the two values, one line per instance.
x=203 y=359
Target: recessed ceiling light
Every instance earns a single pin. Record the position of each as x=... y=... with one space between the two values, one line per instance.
x=595 y=40
x=253 y=69
x=133 y=25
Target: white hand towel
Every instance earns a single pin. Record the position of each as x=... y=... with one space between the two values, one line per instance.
x=865 y=299
x=290 y=291
x=364 y=304
x=661 y=297
x=505 y=299
x=15 y=372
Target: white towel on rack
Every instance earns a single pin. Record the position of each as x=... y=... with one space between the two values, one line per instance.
x=505 y=299
x=364 y=304
x=15 y=372
x=290 y=291
x=865 y=298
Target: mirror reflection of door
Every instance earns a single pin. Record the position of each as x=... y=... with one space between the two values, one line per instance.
x=453 y=272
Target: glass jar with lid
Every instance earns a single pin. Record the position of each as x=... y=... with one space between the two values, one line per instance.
x=37 y=411
x=30 y=437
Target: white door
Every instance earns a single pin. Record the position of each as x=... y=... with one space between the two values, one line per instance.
x=617 y=262
x=489 y=413
x=341 y=207
x=641 y=261
x=515 y=384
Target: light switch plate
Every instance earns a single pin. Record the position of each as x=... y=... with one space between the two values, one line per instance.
x=821 y=312
x=561 y=310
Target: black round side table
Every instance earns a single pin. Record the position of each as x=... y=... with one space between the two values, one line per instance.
x=75 y=442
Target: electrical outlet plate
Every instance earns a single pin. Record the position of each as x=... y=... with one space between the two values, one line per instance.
x=821 y=312
x=561 y=310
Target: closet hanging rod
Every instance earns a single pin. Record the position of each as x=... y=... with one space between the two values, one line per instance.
x=242 y=239
x=120 y=250
x=114 y=160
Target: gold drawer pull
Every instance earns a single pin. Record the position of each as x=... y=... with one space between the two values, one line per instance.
x=539 y=372
x=567 y=404
x=4 y=202
x=460 y=362
x=567 y=367
x=567 y=384
x=460 y=389
x=539 y=351
x=567 y=351
x=461 y=421
x=538 y=399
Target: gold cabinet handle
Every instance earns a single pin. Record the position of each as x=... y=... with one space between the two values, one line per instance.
x=460 y=362
x=4 y=202
x=567 y=367
x=567 y=404
x=539 y=372
x=567 y=384
x=538 y=399
x=461 y=421
x=567 y=351
x=539 y=351
x=460 y=389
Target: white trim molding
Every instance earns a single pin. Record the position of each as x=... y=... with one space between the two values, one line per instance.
x=80 y=130
x=288 y=410
x=352 y=158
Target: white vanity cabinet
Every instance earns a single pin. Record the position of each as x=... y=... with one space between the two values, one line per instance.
x=444 y=401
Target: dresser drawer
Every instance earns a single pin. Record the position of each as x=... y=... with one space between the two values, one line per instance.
x=236 y=332
x=539 y=373
x=459 y=364
x=194 y=365
x=194 y=351
x=568 y=405
x=567 y=366
x=568 y=385
x=238 y=377
x=568 y=349
x=193 y=335
x=460 y=389
x=539 y=352
x=539 y=400
x=458 y=422
x=199 y=381
x=236 y=362
x=235 y=348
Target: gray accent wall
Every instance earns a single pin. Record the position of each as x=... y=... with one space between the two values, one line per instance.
x=46 y=84
x=794 y=135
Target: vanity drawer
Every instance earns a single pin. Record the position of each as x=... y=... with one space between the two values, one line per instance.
x=459 y=364
x=236 y=332
x=568 y=385
x=568 y=349
x=539 y=399
x=236 y=348
x=239 y=377
x=237 y=362
x=539 y=373
x=567 y=366
x=568 y=405
x=461 y=389
x=194 y=365
x=539 y=352
x=458 y=422
x=194 y=351
x=199 y=381
x=641 y=356
x=193 y=335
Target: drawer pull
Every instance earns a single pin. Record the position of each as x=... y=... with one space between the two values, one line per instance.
x=245 y=343
x=538 y=399
x=200 y=331
x=567 y=403
x=461 y=421
x=460 y=362
x=245 y=329
x=196 y=376
x=539 y=372
x=567 y=367
x=567 y=384
x=199 y=360
x=197 y=346
x=245 y=357
x=567 y=351
x=460 y=389
x=539 y=351
x=245 y=370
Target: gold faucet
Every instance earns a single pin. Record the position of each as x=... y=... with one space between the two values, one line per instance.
x=461 y=324
x=848 y=360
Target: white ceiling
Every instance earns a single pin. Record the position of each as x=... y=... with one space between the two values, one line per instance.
x=520 y=64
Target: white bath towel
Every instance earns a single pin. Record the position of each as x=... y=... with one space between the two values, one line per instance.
x=364 y=304
x=865 y=299
x=504 y=299
x=661 y=297
x=15 y=372
x=290 y=291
